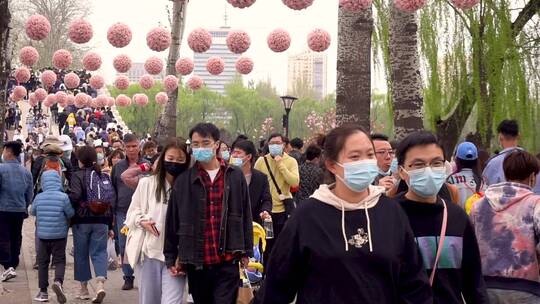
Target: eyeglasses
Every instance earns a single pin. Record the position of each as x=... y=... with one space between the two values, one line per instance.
x=203 y=144
x=384 y=152
x=436 y=164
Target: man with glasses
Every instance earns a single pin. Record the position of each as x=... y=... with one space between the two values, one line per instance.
x=385 y=156
x=443 y=233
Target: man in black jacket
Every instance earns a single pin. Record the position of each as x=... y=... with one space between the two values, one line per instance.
x=209 y=224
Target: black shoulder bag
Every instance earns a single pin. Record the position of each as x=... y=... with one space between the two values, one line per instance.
x=289 y=203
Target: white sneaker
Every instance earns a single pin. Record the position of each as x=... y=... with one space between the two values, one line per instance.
x=9 y=274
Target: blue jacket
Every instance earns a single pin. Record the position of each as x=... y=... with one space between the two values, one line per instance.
x=52 y=208
x=16 y=187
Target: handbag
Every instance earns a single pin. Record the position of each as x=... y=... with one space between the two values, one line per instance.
x=289 y=203
x=245 y=292
x=134 y=242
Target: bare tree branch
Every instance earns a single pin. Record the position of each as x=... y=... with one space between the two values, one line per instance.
x=532 y=8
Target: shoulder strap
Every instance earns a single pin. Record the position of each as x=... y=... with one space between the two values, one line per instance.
x=441 y=243
x=272 y=175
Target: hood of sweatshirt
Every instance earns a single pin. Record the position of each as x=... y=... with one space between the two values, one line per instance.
x=325 y=195
x=502 y=196
x=50 y=181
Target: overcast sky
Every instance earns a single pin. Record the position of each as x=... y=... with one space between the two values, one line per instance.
x=258 y=21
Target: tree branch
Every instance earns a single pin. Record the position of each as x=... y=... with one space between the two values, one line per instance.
x=526 y=14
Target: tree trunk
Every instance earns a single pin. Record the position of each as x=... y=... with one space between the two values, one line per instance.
x=166 y=124
x=405 y=73
x=5 y=64
x=353 y=92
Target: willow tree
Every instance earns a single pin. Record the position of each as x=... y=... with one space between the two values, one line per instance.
x=5 y=68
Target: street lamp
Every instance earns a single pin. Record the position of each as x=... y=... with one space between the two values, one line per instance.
x=287 y=104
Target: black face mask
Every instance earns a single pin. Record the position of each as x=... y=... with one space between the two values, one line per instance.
x=175 y=169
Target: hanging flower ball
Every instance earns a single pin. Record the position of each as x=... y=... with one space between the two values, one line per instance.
x=410 y=6
x=146 y=82
x=48 y=78
x=40 y=94
x=122 y=63
x=80 y=31
x=22 y=75
x=101 y=101
x=81 y=100
x=19 y=92
x=119 y=35
x=244 y=65
x=319 y=40
x=184 y=66
x=28 y=56
x=355 y=5
x=72 y=80
x=37 y=27
x=32 y=100
x=298 y=4
x=162 y=98
x=97 y=82
x=62 y=59
x=153 y=65
x=215 y=65
x=92 y=61
x=241 y=3
x=110 y=101
x=158 y=39
x=279 y=40
x=70 y=99
x=61 y=98
x=238 y=41
x=200 y=40
x=121 y=82
x=195 y=83
x=465 y=4
x=170 y=82
x=140 y=99
x=122 y=100
x=50 y=100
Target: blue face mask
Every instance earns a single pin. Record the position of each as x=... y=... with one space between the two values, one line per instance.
x=427 y=182
x=358 y=175
x=225 y=155
x=394 y=166
x=275 y=150
x=236 y=161
x=203 y=155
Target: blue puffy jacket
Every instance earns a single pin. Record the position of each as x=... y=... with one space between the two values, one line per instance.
x=52 y=208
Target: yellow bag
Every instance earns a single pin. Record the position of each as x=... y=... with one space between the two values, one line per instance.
x=472 y=200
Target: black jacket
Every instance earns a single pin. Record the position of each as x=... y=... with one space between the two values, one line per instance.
x=186 y=218
x=259 y=194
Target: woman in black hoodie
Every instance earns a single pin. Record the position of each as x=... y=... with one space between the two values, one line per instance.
x=348 y=243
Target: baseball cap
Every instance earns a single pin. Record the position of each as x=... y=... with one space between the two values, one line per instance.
x=467 y=151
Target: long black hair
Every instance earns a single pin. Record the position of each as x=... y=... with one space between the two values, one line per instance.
x=88 y=157
x=160 y=172
x=473 y=165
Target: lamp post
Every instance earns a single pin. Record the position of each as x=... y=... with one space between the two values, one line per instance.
x=287 y=104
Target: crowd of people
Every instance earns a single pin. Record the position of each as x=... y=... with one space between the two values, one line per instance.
x=349 y=217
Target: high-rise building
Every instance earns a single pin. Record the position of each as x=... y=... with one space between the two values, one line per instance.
x=137 y=71
x=310 y=69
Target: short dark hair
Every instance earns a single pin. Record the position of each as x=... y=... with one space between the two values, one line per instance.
x=87 y=155
x=519 y=165
x=130 y=138
x=273 y=135
x=150 y=144
x=378 y=136
x=312 y=152
x=15 y=147
x=420 y=138
x=297 y=143
x=239 y=138
x=247 y=146
x=205 y=130
x=508 y=128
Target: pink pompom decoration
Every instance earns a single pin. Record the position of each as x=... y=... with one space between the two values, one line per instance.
x=122 y=100
x=101 y=101
x=146 y=82
x=153 y=65
x=97 y=82
x=355 y=5
x=48 y=78
x=93 y=103
x=195 y=83
x=184 y=66
x=238 y=42
x=40 y=94
x=19 y=92
x=200 y=40
x=50 y=100
x=121 y=82
x=215 y=65
x=119 y=35
x=298 y=4
x=92 y=61
x=28 y=56
x=170 y=82
x=319 y=40
x=409 y=6
x=32 y=100
x=62 y=59
x=61 y=98
x=122 y=63
x=158 y=39
x=244 y=65
x=22 y=75
x=80 y=31
x=110 y=101
x=162 y=98
x=70 y=99
x=465 y=4
x=37 y=27
x=241 y=3
x=72 y=80
x=81 y=100
x=279 y=40
x=140 y=99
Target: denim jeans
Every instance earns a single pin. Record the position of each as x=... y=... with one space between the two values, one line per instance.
x=126 y=269
x=90 y=242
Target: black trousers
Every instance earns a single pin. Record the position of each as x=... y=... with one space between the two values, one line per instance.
x=11 y=238
x=278 y=221
x=216 y=284
x=56 y=248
